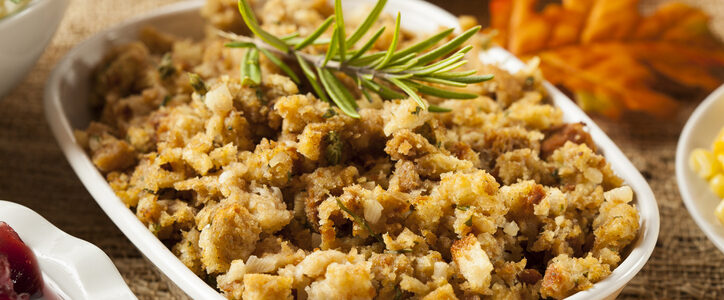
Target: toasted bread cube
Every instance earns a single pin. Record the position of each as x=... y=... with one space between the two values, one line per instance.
x=473 y=263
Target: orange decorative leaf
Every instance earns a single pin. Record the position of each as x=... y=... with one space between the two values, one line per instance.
x=610 y=57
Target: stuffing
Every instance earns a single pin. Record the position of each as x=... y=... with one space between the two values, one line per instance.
x=232 y=234
x=111 y=154
x=187 y=250
x=473 y=263
x=273 y=193
x=262 y=287
x=615 y=226
x=523 y=164
x=533 y=113
x=267 y=207
x=164 y=217
x=567 y=274
x=231 y=283
x=403 y=114
x=444 y=292
x=387 y=271
x=343 y=281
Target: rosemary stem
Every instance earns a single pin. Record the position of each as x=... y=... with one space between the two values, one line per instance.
x=316 y=60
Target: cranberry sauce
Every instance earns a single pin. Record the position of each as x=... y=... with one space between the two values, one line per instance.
x=19 y=271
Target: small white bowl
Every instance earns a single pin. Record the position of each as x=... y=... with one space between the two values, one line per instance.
x=699 y=132
x=72 y=268
x=66 y=110
x=23 y=37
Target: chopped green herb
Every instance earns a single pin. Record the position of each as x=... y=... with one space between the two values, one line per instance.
x=426 y=131
x=165 y=100
x=360 y=221
x=462 y=207
x=417 y=110
x=197 y=84
x=398 y=293
x=529 y=81
x=260 y=96
x=556 y=176
x=469 y=222
x=401 y=251
x=166 y=68
x=330 y=113
x=334 y=148
x=155 y=228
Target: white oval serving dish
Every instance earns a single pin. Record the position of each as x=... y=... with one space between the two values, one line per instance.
x=72 y=268
x=23 y=37
x=700 y=130
x=66 y=110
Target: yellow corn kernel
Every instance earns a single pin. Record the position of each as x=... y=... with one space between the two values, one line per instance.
x=718 y=147
x=719 y=212
x=716 y=184
x=703 y=163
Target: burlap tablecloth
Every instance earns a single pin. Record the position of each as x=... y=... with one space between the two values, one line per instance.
x=33 y=171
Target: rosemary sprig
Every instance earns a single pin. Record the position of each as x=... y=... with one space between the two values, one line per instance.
x=392 y=74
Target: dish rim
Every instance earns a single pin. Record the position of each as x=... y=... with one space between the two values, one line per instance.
x=683 y=173
x=18 y=13
x=192 y=285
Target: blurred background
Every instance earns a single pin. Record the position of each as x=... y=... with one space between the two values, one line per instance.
x=479 y=9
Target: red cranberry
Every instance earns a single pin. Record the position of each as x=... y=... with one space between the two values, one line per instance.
x=24 y=272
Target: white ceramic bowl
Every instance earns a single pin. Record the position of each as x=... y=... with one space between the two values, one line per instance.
x=699 y=131
x=72 y=268
x=23 y=37
x=66 y=110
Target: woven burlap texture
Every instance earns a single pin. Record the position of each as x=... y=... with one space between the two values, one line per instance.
x=33 y=171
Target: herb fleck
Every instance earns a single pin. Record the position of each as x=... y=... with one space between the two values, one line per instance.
x=166 y=68
x=334 y=148
x=165 y=100
x=556 y=176
x=360 y=221
x=417 y=110
x=426 y=131
x=197 y=84
x=398 y=293
x=529 y=81
x=330 y=113
x=260 y=96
